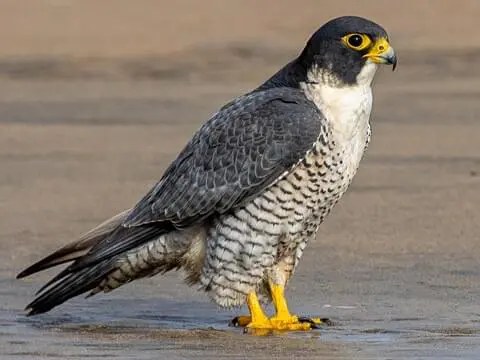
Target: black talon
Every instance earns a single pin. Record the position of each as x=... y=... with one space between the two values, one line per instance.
x=235 y=322
x=313 y=324
x=327 y=321
x=305 y=320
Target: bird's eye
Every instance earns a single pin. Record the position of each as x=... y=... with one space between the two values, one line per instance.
x=357 y=41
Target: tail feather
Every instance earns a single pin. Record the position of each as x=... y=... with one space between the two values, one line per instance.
x=93 y=252
x=120 y=241
x=71 y=286
x=77 y=249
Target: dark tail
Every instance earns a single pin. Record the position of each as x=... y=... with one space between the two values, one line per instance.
x=77 y=249
x=68 y=286
x=95 y=256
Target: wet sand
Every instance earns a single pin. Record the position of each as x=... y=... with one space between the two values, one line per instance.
x=90 y=119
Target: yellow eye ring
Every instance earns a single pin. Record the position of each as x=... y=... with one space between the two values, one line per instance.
x=357 y=41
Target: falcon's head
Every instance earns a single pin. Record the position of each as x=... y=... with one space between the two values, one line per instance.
x=346 y=51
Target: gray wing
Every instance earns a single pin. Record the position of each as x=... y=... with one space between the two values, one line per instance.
x=244 y=148
x=240 y=151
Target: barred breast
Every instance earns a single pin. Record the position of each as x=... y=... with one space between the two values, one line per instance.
x=231 y=255
x=243 y=246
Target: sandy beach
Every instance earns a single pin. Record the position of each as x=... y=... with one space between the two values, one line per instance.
x=96 y=100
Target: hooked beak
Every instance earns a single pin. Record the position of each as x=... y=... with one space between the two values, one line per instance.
x=382 y=53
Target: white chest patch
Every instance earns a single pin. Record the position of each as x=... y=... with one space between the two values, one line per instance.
x=347 y=110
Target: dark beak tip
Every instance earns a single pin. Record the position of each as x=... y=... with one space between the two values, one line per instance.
x=393 y=61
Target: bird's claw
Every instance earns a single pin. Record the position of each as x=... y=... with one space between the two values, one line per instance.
x=240 y=321
x=291 y=324
x=316 y=323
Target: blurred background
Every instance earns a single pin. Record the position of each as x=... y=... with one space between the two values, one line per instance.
x=98 y=96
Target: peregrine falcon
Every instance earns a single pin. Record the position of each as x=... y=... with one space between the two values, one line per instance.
x=237 y=207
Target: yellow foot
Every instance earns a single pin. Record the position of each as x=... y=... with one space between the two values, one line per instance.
x=240 y=321
x=291 y=323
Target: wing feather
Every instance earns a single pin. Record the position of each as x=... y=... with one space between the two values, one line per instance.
x=240 y=151
x=245 y=147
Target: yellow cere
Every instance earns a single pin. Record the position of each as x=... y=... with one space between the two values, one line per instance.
x=379 y=47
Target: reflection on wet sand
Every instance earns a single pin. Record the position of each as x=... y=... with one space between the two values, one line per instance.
x=89 y=119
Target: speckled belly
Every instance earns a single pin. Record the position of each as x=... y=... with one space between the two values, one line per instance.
x=277 y=225
x=305 y=197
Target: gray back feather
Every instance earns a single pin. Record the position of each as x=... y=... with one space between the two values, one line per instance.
x=241 y=150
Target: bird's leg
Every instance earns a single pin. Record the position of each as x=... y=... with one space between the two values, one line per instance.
x=258 y=319
x=277 y=279
x=280 y=303
x=260 y=322
x=254 y=307
x=283 y=318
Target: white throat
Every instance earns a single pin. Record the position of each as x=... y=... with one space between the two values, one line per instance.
x=346 y=107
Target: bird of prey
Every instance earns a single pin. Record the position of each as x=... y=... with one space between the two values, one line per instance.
x=237 y=207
